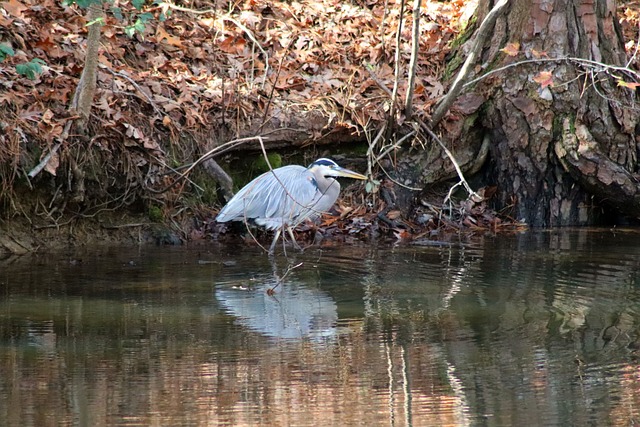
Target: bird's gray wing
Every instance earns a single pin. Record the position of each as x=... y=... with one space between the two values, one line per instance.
x=288 y=196
x=274 y=198
x=241 y=203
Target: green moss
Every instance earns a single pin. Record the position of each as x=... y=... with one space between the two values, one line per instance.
x=210 y=195
x=155 y=214
x=458 y=58
x=465 y=33
x=558 y=124
x=260 y=164
x=355 y=149
x=470 y=121
x=452 y=67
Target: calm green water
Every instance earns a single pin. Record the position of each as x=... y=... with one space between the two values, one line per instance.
x=533 y=329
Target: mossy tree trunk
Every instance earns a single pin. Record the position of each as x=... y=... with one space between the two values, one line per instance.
x=563 y=140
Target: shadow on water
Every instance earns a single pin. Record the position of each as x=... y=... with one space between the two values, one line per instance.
x=539 y=328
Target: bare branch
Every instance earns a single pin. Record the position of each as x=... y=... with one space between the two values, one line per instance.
x=394 y=96
x=458 y=84
x=35 y=171
x=475 y=196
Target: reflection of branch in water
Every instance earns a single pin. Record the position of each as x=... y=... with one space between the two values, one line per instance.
x=392 y=395
x=406 y=378
x=462 y=410
x=279 y=279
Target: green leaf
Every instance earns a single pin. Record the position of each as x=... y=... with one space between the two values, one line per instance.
x=368 y=187
x=25 y=70
x=372 y=186
x=117 y=13
x=145 y=17
x=5 y=50
x=138 y=4
x=96 y=21
x=30 y=69
x=139 y=26
x=82 y=3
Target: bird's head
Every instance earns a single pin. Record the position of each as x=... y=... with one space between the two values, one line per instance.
x=329 y=168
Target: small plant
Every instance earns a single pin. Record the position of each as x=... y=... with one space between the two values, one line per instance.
x=5 y=50
x=140 y=24
x=31 y=69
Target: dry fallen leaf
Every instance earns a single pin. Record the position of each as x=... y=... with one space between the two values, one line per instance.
x=14 y=7
x=511 y=49
x=539 y=54
x=544 y=78
x=52 y=164
x=161 y=35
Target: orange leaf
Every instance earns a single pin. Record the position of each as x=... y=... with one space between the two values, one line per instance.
x=232 y=45
x=14 y=7
x=544 y=79
x=512 y=49
x=5 y=21
x=539 y=53
x=393 y=214
x=161 y=34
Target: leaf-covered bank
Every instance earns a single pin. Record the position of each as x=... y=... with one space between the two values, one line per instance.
x=174 y=82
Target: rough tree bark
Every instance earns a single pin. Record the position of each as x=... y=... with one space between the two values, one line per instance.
x=563 y=154
x=83 y=97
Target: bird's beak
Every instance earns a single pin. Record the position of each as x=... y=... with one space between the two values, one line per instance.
x=349 y=173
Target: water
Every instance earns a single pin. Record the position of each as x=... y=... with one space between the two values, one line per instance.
x=532 y=329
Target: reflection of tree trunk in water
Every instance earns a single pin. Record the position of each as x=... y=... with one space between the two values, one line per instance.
x=561 y=154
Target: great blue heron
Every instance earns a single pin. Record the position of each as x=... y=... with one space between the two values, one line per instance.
x=285 y=197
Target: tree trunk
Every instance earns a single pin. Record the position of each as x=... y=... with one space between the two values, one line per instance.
x=83 y=97
x=563 y=148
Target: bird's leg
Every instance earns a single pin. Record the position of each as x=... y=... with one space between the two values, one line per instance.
x=276 y=236
x=293 y=239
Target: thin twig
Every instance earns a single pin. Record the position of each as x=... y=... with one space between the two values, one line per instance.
x=279 y=280
x=398 y=183
x=632 y=59
x=379 y=82
x=458 y=84
x=394 y=146
x=136 y=85
x=116 y=227
x=396 y=82
x=463 y=181
x=35 y=171
x=600 y=67
x=372 y=144
x=214 y=151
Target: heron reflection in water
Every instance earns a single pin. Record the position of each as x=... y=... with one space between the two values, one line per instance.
x=284 y=197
